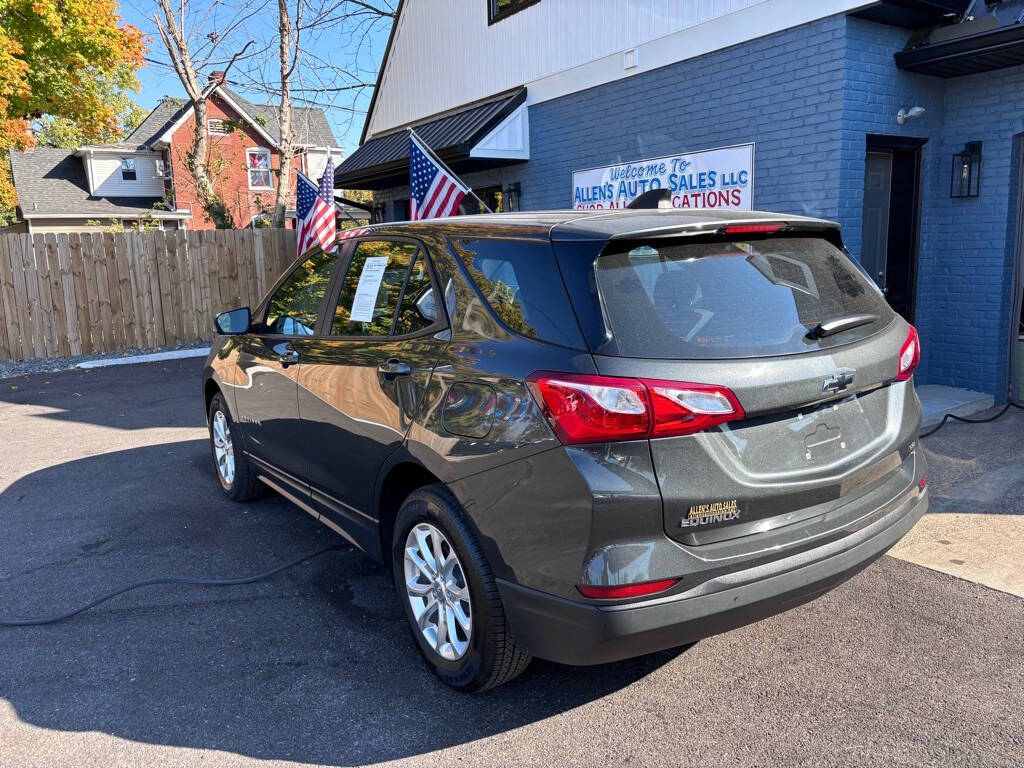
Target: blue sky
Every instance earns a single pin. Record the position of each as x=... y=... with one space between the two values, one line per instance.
x=159 y=81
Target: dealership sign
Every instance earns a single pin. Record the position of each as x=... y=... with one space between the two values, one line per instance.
x=712 y=178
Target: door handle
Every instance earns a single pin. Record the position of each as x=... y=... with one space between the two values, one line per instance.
x=394 y=367
x=289 y=357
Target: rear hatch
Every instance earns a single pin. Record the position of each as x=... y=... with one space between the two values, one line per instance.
x=789 y=324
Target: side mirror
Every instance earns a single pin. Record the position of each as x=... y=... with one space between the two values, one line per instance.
x=233 y=321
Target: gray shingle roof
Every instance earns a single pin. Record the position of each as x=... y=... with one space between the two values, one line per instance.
x=310 y=124
x=52 y=181
x=163 y=116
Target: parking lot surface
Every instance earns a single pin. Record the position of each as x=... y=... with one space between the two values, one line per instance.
x=106 y=479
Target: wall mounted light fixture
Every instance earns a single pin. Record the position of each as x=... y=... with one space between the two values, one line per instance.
x=511 y=197
x=909 y=114
x=966 y=176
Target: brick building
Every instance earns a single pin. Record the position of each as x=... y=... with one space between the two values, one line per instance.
x=244 y=150
x=144 y=177
x=904 y=121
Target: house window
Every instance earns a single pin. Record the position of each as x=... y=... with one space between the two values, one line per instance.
x=502 y=9
x=216 y=128
x=128 y=169
x=258 y=163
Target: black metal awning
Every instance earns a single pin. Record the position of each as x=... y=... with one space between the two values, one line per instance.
x=985 y=41
x=383 y=161
x=914 y=14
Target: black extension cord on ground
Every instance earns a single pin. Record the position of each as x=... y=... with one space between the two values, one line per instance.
x=950 y=416
x=171 y=580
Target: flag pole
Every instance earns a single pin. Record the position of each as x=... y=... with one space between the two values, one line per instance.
x=442 y=163
x=340 y=207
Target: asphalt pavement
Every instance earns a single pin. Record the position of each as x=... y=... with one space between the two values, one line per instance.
x=106 y=479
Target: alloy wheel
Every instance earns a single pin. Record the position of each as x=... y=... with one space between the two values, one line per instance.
x=223 y=450
x=438 y=592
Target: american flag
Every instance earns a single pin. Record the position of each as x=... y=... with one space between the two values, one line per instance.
x=435 y=193
x=315 y=209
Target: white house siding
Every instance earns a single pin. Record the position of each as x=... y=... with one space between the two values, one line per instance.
x=316 y=161
x=107 y=181
x=445 y=54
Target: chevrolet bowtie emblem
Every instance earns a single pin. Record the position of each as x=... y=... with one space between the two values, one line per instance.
x=838 y=382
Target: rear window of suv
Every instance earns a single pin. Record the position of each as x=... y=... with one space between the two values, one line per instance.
x=521 y=283
x=747 y=298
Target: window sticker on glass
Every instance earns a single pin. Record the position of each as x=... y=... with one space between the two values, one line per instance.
x=366 y=292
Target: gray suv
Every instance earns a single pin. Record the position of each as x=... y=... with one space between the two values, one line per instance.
x=580 y=436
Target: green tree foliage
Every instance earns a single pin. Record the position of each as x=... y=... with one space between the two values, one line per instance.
x=61 y=58
x=54 y=131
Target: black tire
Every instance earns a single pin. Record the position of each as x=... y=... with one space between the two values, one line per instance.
x=493 y=657
x=244 y=486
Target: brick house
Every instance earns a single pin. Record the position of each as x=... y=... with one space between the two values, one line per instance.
x=144 y=178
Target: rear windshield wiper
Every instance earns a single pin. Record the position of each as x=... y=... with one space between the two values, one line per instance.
x=837 y=324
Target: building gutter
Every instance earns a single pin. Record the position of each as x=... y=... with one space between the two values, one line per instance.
x=111 y=215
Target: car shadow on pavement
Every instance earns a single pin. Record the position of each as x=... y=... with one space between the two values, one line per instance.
x=313 y=665
x=132 y=397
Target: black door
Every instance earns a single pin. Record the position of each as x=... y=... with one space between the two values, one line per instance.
x=890 y=218
x=361 y=385
x=269 y=360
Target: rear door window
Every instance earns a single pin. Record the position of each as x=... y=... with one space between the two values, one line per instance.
x=732 y=299
x=384 y=280
x=521 y=283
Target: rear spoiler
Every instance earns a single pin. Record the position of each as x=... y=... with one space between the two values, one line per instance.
x=732 y=226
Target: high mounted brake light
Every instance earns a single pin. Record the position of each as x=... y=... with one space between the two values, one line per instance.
x=910 y=356
x=600 y=409
x=755 y=229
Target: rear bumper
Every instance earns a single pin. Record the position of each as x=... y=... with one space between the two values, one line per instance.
x=569 y=632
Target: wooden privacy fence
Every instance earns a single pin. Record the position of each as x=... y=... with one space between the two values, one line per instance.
x=92 y=293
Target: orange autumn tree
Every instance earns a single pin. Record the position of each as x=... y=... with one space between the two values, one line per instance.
x=61 y=58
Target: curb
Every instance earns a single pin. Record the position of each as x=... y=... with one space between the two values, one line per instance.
x=155 y=357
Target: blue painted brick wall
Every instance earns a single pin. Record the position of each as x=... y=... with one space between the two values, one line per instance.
x=783 y=91
x=967 y=250
x=965 y=258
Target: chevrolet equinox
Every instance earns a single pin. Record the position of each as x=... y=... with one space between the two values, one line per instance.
x=582 y=436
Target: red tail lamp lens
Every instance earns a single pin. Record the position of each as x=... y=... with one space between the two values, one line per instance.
x=600 y=409
x=910 y=356
x=590 y=409
x=626 y=590
x=683 y=409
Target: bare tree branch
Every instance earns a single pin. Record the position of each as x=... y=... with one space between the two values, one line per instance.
x=172 y=29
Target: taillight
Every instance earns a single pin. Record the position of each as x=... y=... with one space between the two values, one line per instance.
x=682 y=409
x=910 y=356
x=598 y=409
x=591 y=409
x=626 y=590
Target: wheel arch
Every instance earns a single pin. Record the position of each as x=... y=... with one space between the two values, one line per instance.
x=210 y=390
x=397 y=480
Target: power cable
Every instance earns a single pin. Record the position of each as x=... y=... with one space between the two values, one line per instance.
x=954 y=417
x=170 y=580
